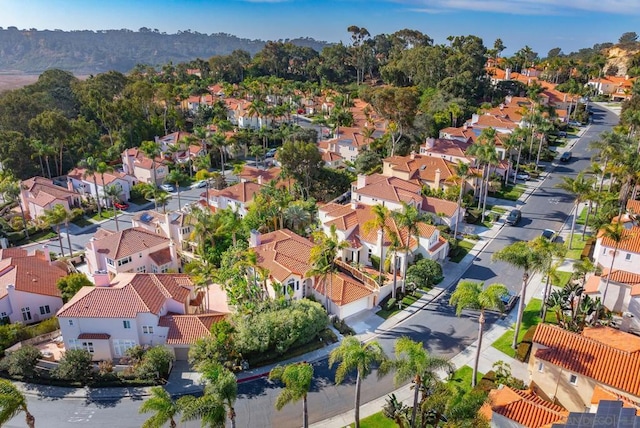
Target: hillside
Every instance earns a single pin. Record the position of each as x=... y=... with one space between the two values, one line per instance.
x=89 y=52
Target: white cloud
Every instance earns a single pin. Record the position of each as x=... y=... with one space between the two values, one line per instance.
x=525 y=7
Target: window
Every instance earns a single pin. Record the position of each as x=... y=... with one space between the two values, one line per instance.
x=124 y=261
x=126 y=324
x=604 y=251
x=369 y=254
x=45 y=310
x=540 y=367
x=70 y=322
x=110 y=262
x=88 y=346
x=628 y=257
x=120 y=346
x=147 y=329
x=141 y=269
x=26 y=314
x=573 y=379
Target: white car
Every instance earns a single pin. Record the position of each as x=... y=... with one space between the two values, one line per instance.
x=521 y=175
x=167 y=187
x=270 y=153
x=199 y=184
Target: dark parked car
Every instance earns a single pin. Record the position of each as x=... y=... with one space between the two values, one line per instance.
x=566 y=157
x=549 y=234
x=513 y=218
x=509 y=300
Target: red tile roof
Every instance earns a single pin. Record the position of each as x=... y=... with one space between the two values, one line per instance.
x=94 y=336
x=186 y=329
x=127 y=242
x=343 y=289
x=422 y=167
x=598 y=353
x=283 y=253
x=129 y=295
x=630 y=241
x=523 y=407
x=161 y=257
x=242 y=192
x=30 y=274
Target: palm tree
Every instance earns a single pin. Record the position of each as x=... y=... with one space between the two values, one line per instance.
x=523 y=256
x=355 y=355
x=222 y=383
x=90 y=165
x=379 y=223
x=463 y=172
x=12 y=402
x=473 y=295
x=579 y=187
x=322 y=259
x=55 y=217
x=162 y=404
x=549 y=252
x=102 y=168
x=484 y=150
x=614 y=233
x=297 y=379
x=151 y=149
x=208 y=408
x=297 y=217
x=408 y=219
x=112 y=193
x=175 y=177
x=415 y=362
x=11 y=189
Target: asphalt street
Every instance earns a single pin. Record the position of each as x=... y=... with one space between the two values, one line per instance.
x=436 y=326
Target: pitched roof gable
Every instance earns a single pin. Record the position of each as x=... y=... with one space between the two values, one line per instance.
x=284 y=252
x=523 y=407
x=30 y=274
x=343 y=288
x=126 y=242
x=186 y=329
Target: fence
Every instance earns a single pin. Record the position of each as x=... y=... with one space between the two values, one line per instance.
x=367 y=280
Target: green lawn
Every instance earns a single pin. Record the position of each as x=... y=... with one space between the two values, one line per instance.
x=104 y=215
x=462 y=378
x=377 y=420
x=530 y=317
x=406 y=302
x=582 y=217
x=576 y=246
x=495 y=209
x=563 y=278
x=463 y=249
x=509 y=192
x=82 y=222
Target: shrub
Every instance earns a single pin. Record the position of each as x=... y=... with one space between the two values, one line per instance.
x=522 y=352
x=391 y=303
x=105 y=367
x=71 y=284
x=528 y=336
x=488 y=382
x=343 y=327
x=217 y=347
x=22 y=362
x=75 y=366
x=279 y=327
x=375 y=262
x=425 y=273
x=155 y=364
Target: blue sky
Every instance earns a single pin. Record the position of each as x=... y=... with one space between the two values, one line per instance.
x=541 y=24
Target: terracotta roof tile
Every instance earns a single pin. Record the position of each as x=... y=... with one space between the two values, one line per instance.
x=250 y=173
x=161 y=257
x=128 y=295
x=523 y=407
x=30 y=275
x=243 y=192
x=283 y=253
x=126 y=242
x=186 y=329
x=94 y=336
x=630 y=242
x=598 y=353
x=422 y=167
x=343 y=288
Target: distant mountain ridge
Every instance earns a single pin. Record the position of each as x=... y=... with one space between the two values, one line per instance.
x=90 y=52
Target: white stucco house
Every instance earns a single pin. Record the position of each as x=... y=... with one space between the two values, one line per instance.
x=131 y=250
x=79 y=181
x=135 y=309
x=38 y=194
x=135 y=163
x=28 y=290
x=236 y=197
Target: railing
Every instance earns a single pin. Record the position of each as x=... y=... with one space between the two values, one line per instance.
x=366 y=279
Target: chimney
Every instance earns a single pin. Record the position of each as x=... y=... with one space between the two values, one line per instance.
x=69 y=184
x=254 y=238
x=430 y=143
x=475 y=117
x=379 y=242
x=172 y=250
x=626 y=321
x=437 y=179
x=413 y=154
x=10 y=289
x=465 y=126
x=260 y=179
x=47 y=254
x=507 y=74
x=362 y=181
x=354 y=205
x=507 y=99
x=101 y=278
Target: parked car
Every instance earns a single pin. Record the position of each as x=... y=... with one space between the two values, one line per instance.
x=270 y=153
x=513 y=218
x=521 y=175
x=167 y=187
x=549 y=234
x=121 y=205
x=199 y=184
x=509 y=300
x=565 y=157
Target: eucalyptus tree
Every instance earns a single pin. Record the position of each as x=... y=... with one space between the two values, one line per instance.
x=472 y=295
x=524 y=256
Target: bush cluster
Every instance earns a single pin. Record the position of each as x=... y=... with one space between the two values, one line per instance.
x=10 y=334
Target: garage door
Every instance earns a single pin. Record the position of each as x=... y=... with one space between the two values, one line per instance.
x=182 y=354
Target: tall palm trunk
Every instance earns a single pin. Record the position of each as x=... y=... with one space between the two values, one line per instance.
x=60 y=240
x=305 y=412
x=479 y=349
x=381 y=262
x=455 y=229
x=115 y=216
x=539 y=151
x=525 y=280
x=586 y=219
x=357 y=402
x=69 y=239
x=573 y=224
x=48 y=166
x=95 y=186
x=24 y=220
x=606 y=285
x=486 y=192
x=416 y=389
x=30 y=419
x=515 y=179
x=395 y=274
x=232 y=415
